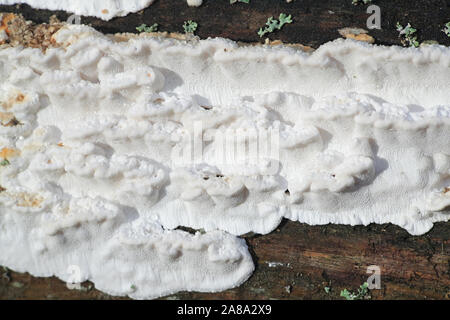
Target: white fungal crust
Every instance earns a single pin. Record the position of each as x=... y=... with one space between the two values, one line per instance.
x=194 y=3
x=115 y=144
x=103 y=9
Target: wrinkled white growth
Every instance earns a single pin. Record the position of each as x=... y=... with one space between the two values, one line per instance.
x=94 y=178
x=194 y=3
x=103 y=9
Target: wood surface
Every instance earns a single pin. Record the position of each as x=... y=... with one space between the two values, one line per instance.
x=296 y=261
x=315 y=21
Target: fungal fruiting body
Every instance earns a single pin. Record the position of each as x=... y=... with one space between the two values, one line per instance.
x=194 y=3
x=103 y=9
x=112 y=145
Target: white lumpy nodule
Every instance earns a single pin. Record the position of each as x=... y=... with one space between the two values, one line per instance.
x=107 y=147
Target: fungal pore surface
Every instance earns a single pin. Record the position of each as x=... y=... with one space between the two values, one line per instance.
x=109 y=144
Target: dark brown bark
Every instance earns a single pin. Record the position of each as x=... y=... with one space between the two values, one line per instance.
x=298 y=261
x=315 y=22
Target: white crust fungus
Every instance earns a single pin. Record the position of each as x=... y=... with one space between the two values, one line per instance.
x=103 y=9
x=92 y=173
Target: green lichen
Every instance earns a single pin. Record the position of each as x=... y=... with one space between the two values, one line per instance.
x=446 y=30
x=408 y=34
x=190 y=26
x=361 y=294
x=244 y=1
x=273 y=24
x=144 y=28
x=4 y=163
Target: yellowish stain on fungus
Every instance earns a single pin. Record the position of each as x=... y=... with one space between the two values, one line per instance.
x=356 y=34
x=105 y=11
x=27 y=200
x=15 y=99
x=7 y=153
x=12 y=123
x=6 y=117
x=361 y=37
x=4 y=23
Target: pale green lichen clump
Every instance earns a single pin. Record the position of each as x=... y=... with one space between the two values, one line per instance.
x=273 y=24
x=144 y=28
x=362 y=293
x=190 y=26
x=408 y=34
x=446 y=30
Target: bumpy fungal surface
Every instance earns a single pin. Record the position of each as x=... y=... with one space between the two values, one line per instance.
x=103 y=9
x=108 y=146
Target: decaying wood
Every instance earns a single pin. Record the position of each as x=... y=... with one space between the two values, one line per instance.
x=298 y=261
x=315 y=22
